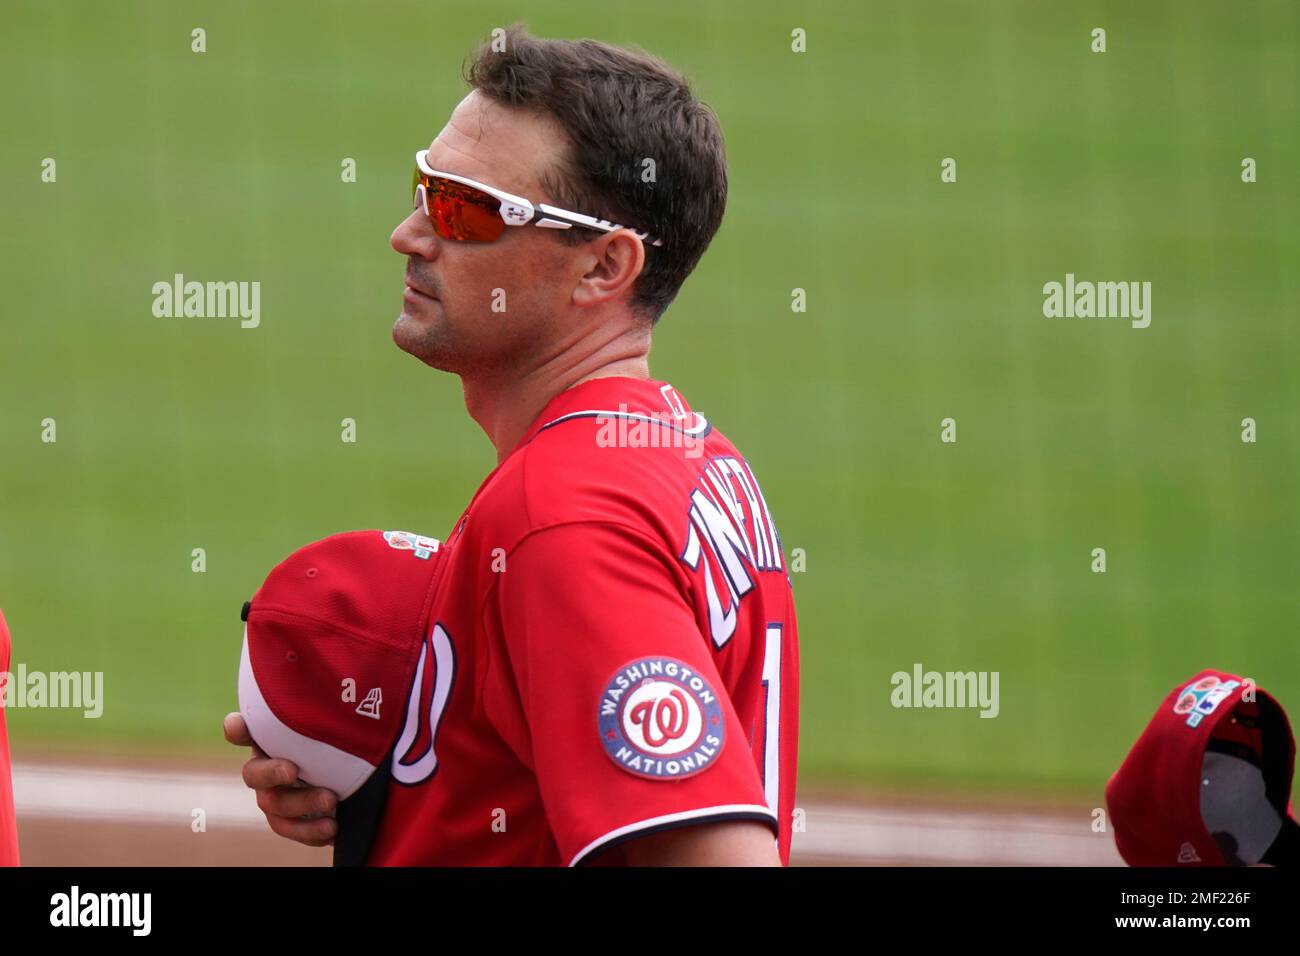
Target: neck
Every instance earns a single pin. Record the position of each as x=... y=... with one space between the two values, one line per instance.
x=506 y=404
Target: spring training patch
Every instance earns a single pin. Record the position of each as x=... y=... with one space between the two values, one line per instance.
x=660 y=720
x=1200 y=698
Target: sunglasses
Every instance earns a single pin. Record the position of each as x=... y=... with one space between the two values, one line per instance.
x=463 y=210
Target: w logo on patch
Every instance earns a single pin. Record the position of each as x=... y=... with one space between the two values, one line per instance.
x=369 y=706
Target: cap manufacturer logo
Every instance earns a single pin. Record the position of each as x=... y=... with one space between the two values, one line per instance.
x=659 y=719
x=1187 y=854
x=369 y=706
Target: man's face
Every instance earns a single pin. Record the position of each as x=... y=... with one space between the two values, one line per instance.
x=448 y=319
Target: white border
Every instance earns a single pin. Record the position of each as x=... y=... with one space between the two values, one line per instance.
x=595 y=844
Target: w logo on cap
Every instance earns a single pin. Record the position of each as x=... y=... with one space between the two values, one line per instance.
x=369 y=706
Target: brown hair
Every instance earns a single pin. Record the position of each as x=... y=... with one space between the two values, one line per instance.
x=619 y=108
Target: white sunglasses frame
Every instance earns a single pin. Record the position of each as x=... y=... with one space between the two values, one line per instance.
x=518 y=211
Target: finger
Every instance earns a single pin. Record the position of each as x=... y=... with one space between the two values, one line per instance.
x=297 y=802
x=310 y=832
x=236 y=730
x=264 y=773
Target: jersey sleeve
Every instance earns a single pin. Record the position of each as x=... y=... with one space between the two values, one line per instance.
x=625 y=720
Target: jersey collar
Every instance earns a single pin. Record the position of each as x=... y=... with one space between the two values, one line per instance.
x=618 y=395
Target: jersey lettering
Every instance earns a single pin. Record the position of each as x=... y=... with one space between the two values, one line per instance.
x=731 y=535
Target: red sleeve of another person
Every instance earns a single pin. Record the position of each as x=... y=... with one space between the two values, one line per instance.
x=629 y=728
x=8 y=823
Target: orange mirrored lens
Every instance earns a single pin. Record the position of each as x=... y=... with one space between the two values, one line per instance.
x=459 y=212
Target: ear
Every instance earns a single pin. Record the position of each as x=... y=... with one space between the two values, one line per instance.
x=616 y=261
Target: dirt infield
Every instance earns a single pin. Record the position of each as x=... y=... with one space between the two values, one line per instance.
x=119 y=813
x=70 y=842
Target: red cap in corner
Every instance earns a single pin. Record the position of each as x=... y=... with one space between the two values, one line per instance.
x=1155 y=798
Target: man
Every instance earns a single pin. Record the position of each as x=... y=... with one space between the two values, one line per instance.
x=613 y=672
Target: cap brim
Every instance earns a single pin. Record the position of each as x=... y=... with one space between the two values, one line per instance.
x=319 y=764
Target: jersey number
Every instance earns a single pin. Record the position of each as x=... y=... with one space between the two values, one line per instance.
x=772 y=716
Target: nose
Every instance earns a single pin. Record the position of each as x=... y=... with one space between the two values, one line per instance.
x=414 y=236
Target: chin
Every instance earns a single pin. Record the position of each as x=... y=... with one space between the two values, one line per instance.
x=423 y=340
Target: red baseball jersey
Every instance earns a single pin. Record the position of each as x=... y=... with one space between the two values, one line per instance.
x=8 y=824
x=613 y=650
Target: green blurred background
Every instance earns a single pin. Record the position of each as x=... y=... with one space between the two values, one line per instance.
x=924 y=302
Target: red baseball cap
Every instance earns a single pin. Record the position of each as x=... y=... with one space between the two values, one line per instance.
x=332 y=643
x=1209 y=781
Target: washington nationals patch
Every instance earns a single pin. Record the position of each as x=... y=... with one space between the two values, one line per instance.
x=661 y=720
